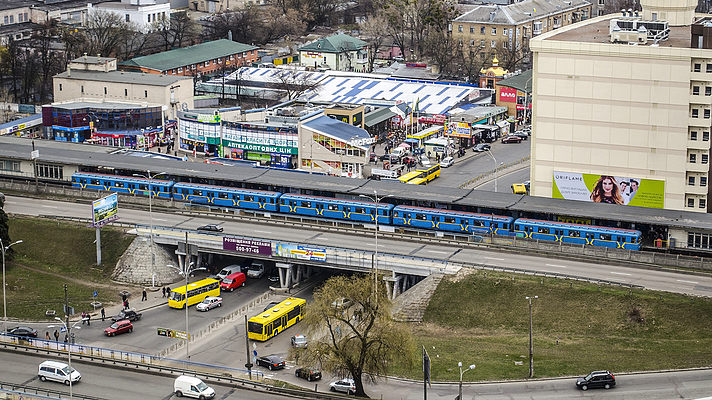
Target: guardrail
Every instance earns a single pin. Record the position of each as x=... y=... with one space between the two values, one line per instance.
x=492 y=172
x=206 y=372
x=24 y=392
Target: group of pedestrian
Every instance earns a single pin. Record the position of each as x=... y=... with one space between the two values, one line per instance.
x=125 y=300
x=166 y=291
x=86 y=317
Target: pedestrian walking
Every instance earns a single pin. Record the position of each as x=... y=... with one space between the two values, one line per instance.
x=56 y=336
x=163 y=292
x=126 y=304
x=84 y=317
x=168 y=291
x=143 y=295
x=103 y=314
x=47 y=335
x=88 y=319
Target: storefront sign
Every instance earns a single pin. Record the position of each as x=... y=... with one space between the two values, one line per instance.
x=247 y=246
x=204 y=118
x=609 y=189
x=265 y=142
x=507 y=95
x=458 y=129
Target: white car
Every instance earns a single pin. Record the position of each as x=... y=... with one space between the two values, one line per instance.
x=424 y=160
x=447 y=162
x=209 y=303
x=343 y=385
x=59 y=372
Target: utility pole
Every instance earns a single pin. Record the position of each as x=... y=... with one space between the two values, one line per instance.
x=248 y=365
x=531 y=342
x=66 y=310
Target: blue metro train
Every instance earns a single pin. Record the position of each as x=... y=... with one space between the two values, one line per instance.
x=364 y=211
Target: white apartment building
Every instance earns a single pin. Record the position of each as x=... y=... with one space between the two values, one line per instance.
x=144 y=13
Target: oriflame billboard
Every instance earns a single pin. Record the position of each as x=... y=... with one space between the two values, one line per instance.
x=622 y=190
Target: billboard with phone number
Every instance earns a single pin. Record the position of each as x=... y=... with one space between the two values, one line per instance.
x=609 y=189
x=105 y=210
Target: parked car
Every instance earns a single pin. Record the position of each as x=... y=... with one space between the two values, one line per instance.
x=310 y=374
x=119 y=327
x=191 y=386
x=230 y=269
x=342 y=302
x=271 y=361
x=299 y=341
x=256 y=270
x=424 y=160
x=58 y=371
x=24 y=331
x=344 y=386
x=130 y=315
x=209 y=303
x=511 y=139
x=480 y=147
x=273 y=276
x=447 y=162
x=596 y=379
x=211 y=228
x=232 y=281
x=521 y=134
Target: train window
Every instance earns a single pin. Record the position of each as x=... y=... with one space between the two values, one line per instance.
x=347 y=209
x=421 y=217
x=373 y=211
x=574 y=233
x=83 y=180
x=543 y=230
x=604 y=236
x=395 y=213
x=476 y=223
x=94 y=181
x=450 y=220
x=558 y=232
x=333 y=207
x=307 y=204
x=292 y=203
x=319 y=206
x=589 y=235
x=249 y=197
x=143 y=187
x=360 y=210
x=222 y=195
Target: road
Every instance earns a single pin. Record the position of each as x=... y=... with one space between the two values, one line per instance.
x=651 y=279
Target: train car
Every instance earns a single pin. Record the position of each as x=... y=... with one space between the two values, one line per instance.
x=450 y=220
x=226 y=196
x=577 y=233
x=122 y=184
x=349 y=210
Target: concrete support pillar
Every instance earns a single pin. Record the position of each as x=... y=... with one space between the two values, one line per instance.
x=285 y=275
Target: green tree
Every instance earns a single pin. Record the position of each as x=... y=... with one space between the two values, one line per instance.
x=351 y=331
x=4 y=226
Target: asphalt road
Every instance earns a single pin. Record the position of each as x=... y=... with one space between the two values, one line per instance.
x=652 y=279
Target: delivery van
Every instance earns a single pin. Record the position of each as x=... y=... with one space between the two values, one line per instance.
x=233 y=281
x=190 y=386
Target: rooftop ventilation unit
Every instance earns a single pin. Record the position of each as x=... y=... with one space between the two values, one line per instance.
x=632 y=30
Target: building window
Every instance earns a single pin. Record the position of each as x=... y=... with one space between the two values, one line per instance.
x=180 y=69
x=472 y=42
x=459 y=28
x=696 y=90
x=105 y=91
x=697 y=67
x=709 y=68
x=703 y=181
x=128 y=18
x=703 y=203
x=691 y=181
x=7 y=165
x=708 y=90
x=705 y=136
x=494 y=44
x=504 y=31
x=693 y=158
x=49 y=171
x=145 y=93
x=472 y=30
x=494 y=30
x=482 y=43
x=60 y=87
x=12 y=19
x=82 y=88
x=693 y=135
x=695 y=113
x=705 y=158
x=707 y=113
x=690 y=202
x=126 y=92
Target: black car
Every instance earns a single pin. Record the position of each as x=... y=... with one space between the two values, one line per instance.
x=596 y=379
x=211 y=228
x=131 y=315
x=272 y=362
x=24 y=331
x=310 y=374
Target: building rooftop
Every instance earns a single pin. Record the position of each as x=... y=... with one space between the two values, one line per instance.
x=138 y=78
x=518 y=13
x=92 y=60
x=335 y=44
x=198 y=53
x=12 y=4
x=335 y=128
x=76 y=105
x=597 y=31
x=521 y=82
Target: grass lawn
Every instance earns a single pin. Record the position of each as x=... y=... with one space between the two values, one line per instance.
x=578 y=327
x=54 y=253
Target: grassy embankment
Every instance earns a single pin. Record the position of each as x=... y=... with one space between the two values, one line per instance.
x=578 y=327
x=54 y=253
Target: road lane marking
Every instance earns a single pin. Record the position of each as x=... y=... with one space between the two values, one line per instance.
x=437 y=251
x=261 y=231
x=556 y=266
x=684 y=281
x=48 y=206
x=494 y=258
x=160 y=219
x=621 y=273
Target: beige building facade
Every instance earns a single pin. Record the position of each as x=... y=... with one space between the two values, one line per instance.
x=623 y=110
x=91 y=78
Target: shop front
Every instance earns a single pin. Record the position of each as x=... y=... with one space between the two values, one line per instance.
x=199 y=133
x=269 y=144
x=461 y=133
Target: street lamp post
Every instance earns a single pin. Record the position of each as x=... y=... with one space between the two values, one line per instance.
x=471 y=367
x=376 y=200
x=150 y=178
x=69 y=350
x=531 y=343
x=4 y=301
x=496 y=166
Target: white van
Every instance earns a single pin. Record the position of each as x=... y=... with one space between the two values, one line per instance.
x=191 y=386
x=229 y=270
x=256 y=270
x=58 y=371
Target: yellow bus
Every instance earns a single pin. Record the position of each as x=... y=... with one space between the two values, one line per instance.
x=430 y=173
x=418 y=181
x=197 y=292
x=276 y=319
x=405 y=178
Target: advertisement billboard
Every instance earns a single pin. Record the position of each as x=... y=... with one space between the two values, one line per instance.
x=248 y=246
x=458 y=129
x=507 y=95
x=301 y=252
x=105 y=210
x=609 y=189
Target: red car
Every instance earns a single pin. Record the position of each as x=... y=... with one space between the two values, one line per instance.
x=511 y=139
x=119 y=327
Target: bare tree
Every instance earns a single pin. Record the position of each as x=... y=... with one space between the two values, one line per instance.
x=50 y=63
x=614 y=6
x=470 y=62
x=510 y=56
x=294 y=86
x=105 y=32
x=375 y=35
x=183 y=29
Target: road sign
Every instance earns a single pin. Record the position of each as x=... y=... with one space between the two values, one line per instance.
x=172 y=333
x=254 y=352
x=69 y=311
x=96 y=293
x=182 y=335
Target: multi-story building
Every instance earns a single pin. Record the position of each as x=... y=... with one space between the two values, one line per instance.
x=144 y=14
x=205 y=58
x=218 y=6
x=96 y=78
x=338 y=52
x=492 y=28
x=625 y=100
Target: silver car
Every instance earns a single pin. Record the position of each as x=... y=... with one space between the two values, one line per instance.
x=299 y=341
x=209 y=303
x=344 y=386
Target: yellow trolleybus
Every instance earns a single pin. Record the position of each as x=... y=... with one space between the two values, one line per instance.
x=276 y=319
x=197 y=292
